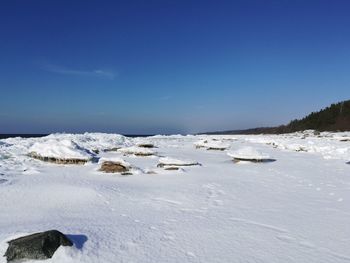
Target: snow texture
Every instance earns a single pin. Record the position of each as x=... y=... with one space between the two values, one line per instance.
x=176 y=162
x=248 y=153
x=211 y=144
x=295 y=209
x=63 y=149
x=136 y=150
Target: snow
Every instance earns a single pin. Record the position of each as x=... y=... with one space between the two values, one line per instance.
x=295 y=209
x=136 y=150
x=248 y=153
x=327 y=145
x=211 y=143
x=176 y=162
x=62 y=149
x=95 y=141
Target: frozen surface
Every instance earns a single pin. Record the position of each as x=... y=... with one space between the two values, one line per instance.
x=248 y=153
x=136 y=150
x=173 y=161
x=210 y=143
x=56 y=148
x=295 y=209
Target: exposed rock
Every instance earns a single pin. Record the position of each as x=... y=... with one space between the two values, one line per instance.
x=146 y=145
x=237 y=160
x=113 y=167
x=200 y=144
x=316 y=133
x=212 y=144
x=143 y=154
x=36 y=246
x=3 y=181
x=96 y=151
x=171 y=168
x=64 y=151
x=114 y=149
x=216 y=148
x=301 y=149
x=172 y=162
x=57 y=160
x=137 y=151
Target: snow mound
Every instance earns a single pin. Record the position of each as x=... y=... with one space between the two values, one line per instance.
x=211 y=144
x=168 y=161
x=201 y=143
x=59 y=149
x=248 y=153
x=138 y=151
x=95 y=141
x=114 y=160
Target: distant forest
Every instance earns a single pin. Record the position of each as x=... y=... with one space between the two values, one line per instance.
x=333 y=118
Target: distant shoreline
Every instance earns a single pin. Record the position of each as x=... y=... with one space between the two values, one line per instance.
x=38 y=135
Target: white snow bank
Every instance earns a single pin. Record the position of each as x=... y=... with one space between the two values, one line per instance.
x=176 y=162
x=95 y=141
x=248 y=153
x=328 y=145
x=136 y=150
x=60 y=149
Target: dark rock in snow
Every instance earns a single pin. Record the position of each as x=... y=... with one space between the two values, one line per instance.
x=113 y=167
x=2 y=181
x=146 y=145
x=114 y=149
x=57 y=160
x=36 y=246
x=96 y=151
x=172 y=168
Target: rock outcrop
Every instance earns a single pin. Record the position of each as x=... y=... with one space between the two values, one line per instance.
x=36 y=246
x=113 y=167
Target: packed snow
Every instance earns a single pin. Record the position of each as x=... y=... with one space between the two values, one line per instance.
x=61 y=149
x=176 y=162
x=248 y=153
x=295 y=209
x=136 y=150
x=211 y=144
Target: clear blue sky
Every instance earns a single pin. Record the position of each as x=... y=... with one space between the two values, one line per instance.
x=169 y=66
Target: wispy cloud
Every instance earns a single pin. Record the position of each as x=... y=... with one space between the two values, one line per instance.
x=68 y=71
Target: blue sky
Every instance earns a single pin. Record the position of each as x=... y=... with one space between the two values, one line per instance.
x=169 y=66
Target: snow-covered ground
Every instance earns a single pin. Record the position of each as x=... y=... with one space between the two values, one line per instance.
x=295 y=209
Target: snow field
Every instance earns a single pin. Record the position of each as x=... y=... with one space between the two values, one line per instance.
x=292 y=210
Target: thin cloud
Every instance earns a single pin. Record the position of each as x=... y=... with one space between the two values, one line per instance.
x=67 y=71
